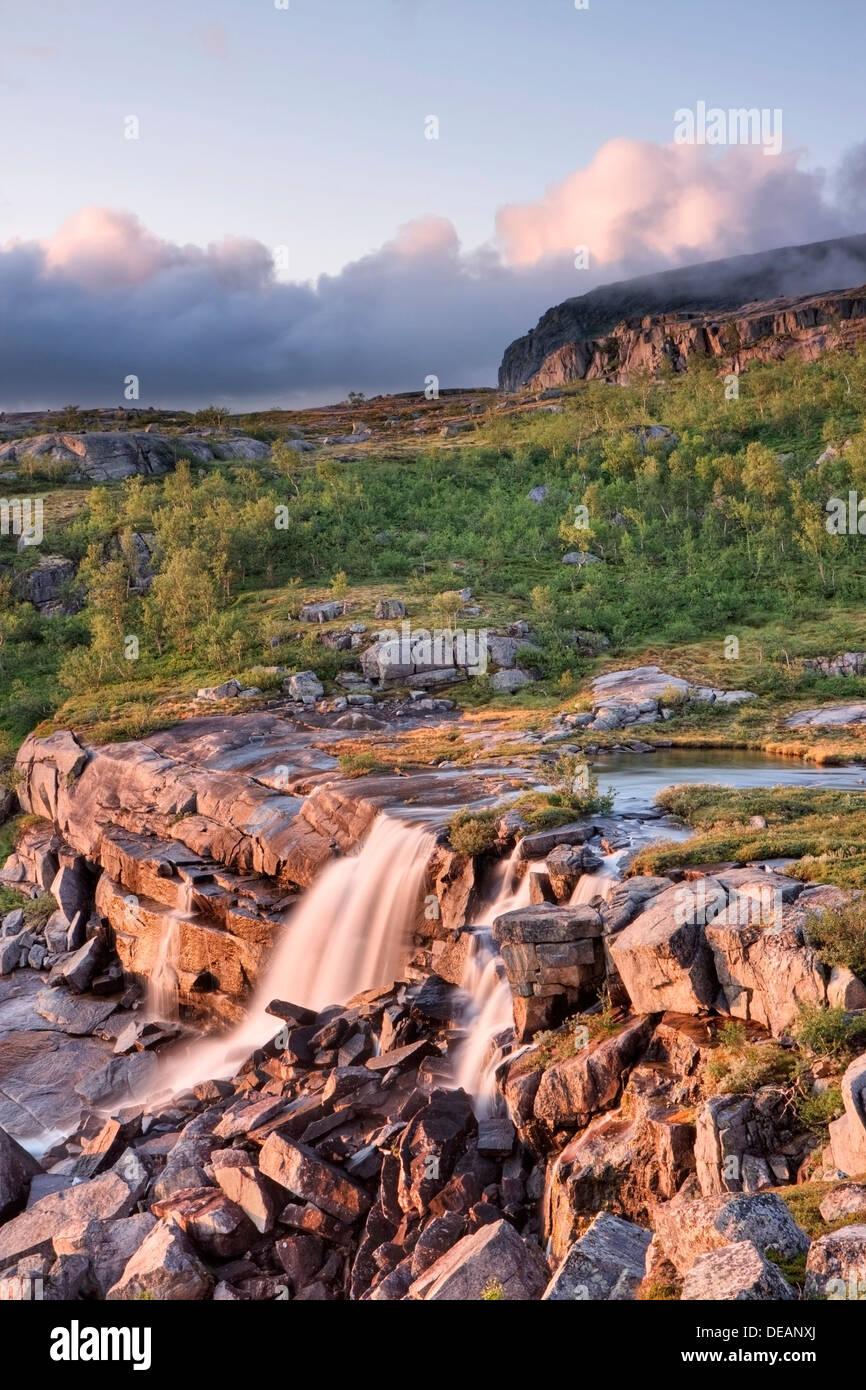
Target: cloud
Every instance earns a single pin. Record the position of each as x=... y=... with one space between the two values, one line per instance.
x=637 y=200
x=104 y=297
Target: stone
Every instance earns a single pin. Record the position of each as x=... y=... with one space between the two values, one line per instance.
x=390 y=608
x=608 y=1262
x=836 y=1265
x=17 y=1170
x=65 y=1213
x=663 y=957
x=735 y=1273
x=849 y=1199
x=322 y=612
x=108 y=1247
x=496 y=1137
x=581 y=558
x=848 y=1133
x=304 y=686
x=165 y=1268
x=687 y=1228
x=77 y=971
x=537 y=493
x=495 y=1259
x=301 y=1170
x=507 y=682
x=844 y=990
x=572 y=1091
x=73 y=1014
x=242 y=1183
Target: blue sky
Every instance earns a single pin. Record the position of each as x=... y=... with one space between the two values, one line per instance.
x=305 y=127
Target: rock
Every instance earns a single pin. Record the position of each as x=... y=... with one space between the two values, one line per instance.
x=322 y=612
x=608 y=1262
x=66 y=1213
x=305 y=686
x=13 y=922
x=537 y=493
x=390 y=608
x=542 y=842
x=580 y=558
x=429 y=1148
x=108 y=1246
x=494 y=1261
x=847 y=1200
x=496 y=1137
x=836 y=1265
x=46 y=585
x=764 y=966
x=165 y=1268
x=733 y=1274
x=77 y=971
x=828 y=716
x=663 y=957
x=17 y=1169
x=242 y=1183
x=300 y=1170
x=554 y=959
x=844 y=990
x=76 y=1016
x=229 y=690
x=848 y=1133
x=565 y=864
x=687 y=1228
x=507 y=682
x=574 y=1090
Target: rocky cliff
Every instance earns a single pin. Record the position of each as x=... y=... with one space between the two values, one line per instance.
x=711 y=287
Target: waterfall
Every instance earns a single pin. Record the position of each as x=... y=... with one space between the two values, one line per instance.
x=349 y=933
x=488 y=1010
x=601 y=883
x=162 y=1002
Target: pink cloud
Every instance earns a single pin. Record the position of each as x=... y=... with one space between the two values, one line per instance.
x=668 y=202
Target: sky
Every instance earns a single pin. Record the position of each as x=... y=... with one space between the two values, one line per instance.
x=281 y=230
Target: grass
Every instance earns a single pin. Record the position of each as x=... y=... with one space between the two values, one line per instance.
x=803 y=1200
x=839 y=936
x=576 y=1034
x=824 y=832
x=739 y=1066
x=472 y=832
x=833 y=1034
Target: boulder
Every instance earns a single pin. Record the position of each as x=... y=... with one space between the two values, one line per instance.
x=300 y=1169
x=17 y=1170
x=689 y=1227
x=495 y=1263
x=849 y=1199
x=848 y=1133
x=663 y=957
x=836 y=1265
x=608 y=1262
x=735 y=1273
x=554 y=959
x=66 y=1213
x=305 y=686
x=507 y=682
x=389 y=608
x=108 y=1247
x=572 y=1091
x=165 y=1268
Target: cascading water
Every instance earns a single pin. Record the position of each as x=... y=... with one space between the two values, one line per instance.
x=349 y=934
x=162 y=987
x=601 y=883
x=489 y=1010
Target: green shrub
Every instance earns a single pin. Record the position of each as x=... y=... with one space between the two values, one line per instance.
x=839 y=936
x=472 y=832
x=830 y=1033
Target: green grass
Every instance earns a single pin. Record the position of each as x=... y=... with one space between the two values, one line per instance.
x=823 y=831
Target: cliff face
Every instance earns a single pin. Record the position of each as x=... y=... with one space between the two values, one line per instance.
x=711 y=287
x=757 y=332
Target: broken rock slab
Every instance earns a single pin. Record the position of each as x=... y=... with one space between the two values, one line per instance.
x=607 y=1263
x=735 y=1273
x=495 y=1261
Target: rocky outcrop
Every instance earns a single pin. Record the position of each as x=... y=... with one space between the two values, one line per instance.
x=107 y=456
x=646 y=694
x=721 y=286
x=554 y=960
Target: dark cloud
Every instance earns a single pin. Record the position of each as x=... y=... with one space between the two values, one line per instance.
x=104 y=298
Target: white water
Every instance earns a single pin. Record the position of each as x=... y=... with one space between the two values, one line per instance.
x=162 y=988
x=601 y=883
x=349 y=933
x=489 y=1011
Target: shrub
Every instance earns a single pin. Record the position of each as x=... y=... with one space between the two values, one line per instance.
x=831 y=1033
x=472 y=832
x=839 y=935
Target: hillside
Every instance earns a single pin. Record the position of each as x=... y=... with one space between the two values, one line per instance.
x=715 y=286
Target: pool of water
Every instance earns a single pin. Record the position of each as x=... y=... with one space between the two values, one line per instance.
x=635 y=778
